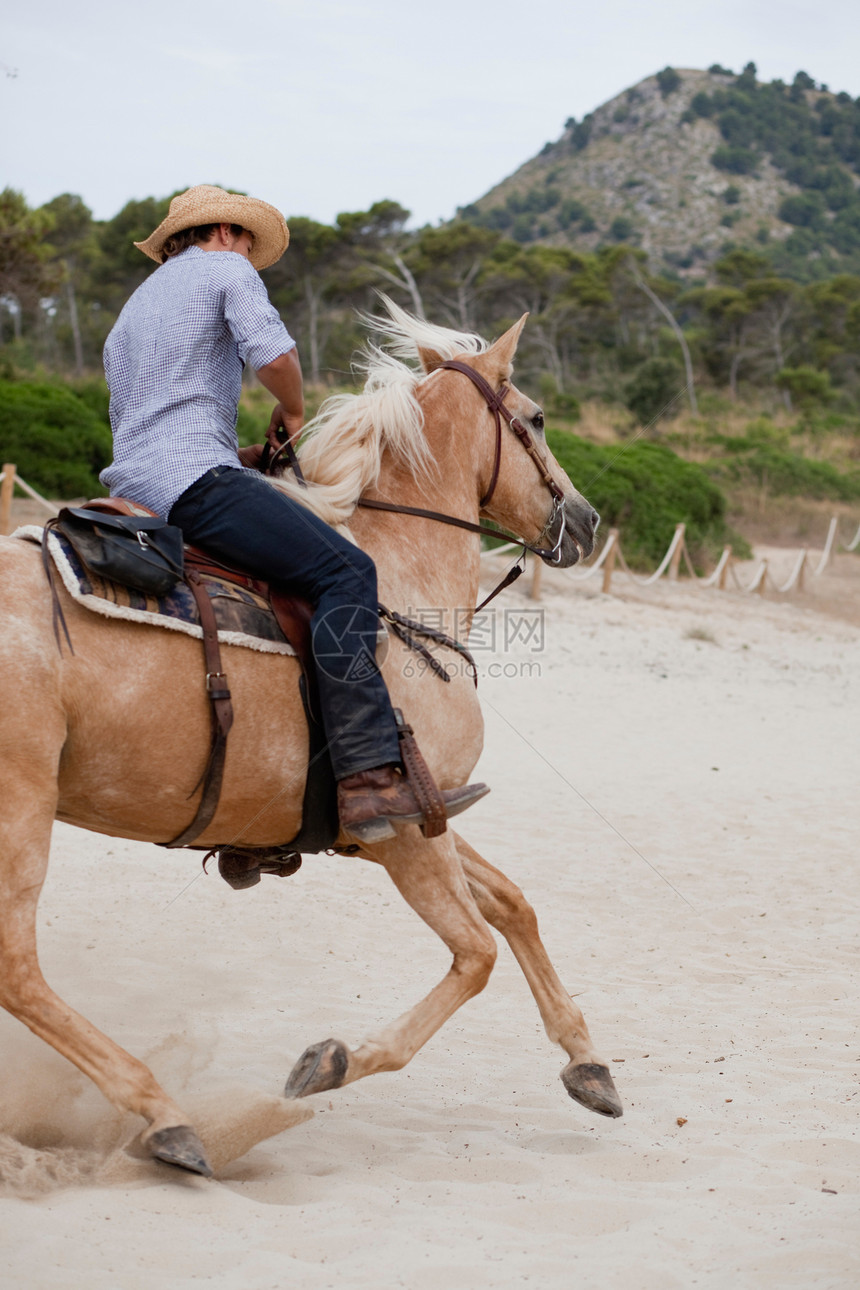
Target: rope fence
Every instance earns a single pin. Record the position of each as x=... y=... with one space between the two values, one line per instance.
x=9 y=481
x=611 y=561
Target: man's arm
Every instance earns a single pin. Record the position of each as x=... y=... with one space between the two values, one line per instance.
x=283 y=379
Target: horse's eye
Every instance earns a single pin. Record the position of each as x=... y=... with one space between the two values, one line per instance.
x=537 y=420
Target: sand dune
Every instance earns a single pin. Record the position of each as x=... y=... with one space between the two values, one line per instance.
x=676 y=791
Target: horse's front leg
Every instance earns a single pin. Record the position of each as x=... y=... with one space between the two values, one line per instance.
x=25 y=834
x=429 y=876
x=586 y=1077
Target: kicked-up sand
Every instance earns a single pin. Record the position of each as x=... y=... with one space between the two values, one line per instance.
x=675 y=778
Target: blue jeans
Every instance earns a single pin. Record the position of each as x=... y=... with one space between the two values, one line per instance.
x=242 y=520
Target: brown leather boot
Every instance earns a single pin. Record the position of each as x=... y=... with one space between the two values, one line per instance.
x=369 y=801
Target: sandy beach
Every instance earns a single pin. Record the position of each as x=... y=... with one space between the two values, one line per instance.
x=675 y=786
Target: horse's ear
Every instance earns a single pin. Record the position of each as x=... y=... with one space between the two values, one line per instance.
x=501 y=353
x=430 y=360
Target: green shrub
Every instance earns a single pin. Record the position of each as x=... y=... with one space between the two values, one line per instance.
x=566 y=406
x=644 y=490
x=808 y=387
x=572 y=211
x=668 y=81
x=735 y=159
x=806 y=210
x=702 y=104
x=759 y=458
x=622 y=229
x=820 y=422
x=652 y=390
x=251 y=425
x=94 y=392
x=57 y=442
x=556 y=402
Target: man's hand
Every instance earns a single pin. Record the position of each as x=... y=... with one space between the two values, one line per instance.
x=283 y=425
x=252 y=456
x=283 y=378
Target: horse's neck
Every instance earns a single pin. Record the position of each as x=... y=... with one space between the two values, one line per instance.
x=424 y=563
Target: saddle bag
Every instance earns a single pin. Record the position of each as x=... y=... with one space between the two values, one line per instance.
x=140 y=551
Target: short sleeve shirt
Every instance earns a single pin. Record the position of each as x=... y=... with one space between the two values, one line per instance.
x=173 y=362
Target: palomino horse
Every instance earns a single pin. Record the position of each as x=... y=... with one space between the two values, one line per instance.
x=416 y=436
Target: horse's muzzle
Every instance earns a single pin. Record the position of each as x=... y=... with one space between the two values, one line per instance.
x=580 y=521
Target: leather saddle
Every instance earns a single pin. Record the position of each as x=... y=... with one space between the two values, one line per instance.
x=242 y=866
x=293 y=613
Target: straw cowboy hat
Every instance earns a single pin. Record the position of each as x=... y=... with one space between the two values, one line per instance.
x=207 y=204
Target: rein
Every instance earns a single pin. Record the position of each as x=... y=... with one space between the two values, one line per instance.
x=406 y=628
x=495 y=402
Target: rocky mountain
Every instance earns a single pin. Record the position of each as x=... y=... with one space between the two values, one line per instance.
x=688 y=161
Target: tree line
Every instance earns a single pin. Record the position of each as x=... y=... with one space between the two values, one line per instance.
x=602 y=324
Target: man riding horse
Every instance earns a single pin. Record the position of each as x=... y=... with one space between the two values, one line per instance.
x=174 y=363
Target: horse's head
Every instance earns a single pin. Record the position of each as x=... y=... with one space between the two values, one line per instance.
x=518 y=482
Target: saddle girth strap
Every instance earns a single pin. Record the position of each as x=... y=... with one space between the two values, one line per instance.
x=222 y=717
x=421 y=781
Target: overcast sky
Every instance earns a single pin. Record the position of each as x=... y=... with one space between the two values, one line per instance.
x=319 y=106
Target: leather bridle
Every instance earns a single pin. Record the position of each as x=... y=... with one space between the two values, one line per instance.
x=495 y=401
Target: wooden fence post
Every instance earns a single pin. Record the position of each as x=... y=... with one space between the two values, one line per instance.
x=829 y=546
x=7 y=488
x=609 y=563
x=802 y=570
x=675 y=562
x=537 y=577
x=762 y=586
x=724 y=572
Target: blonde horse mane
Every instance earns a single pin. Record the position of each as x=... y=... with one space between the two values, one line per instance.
x=342 y=447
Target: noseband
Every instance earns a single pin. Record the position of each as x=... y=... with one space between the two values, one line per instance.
x=495 y=402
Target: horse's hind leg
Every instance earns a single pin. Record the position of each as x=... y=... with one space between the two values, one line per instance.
x=25 y=833
x=586 y=1077
x=429 y=877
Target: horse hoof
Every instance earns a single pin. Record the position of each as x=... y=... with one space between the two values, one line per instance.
x=592 y=1086
x=180 y=1146
x=320 y=1067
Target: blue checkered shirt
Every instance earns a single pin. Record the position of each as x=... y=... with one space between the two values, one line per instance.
x=173 y=363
